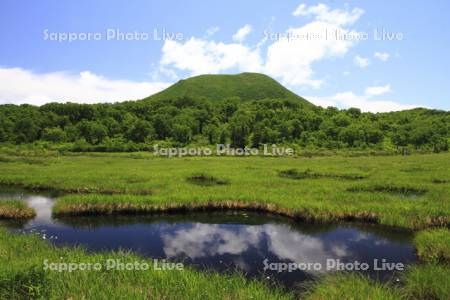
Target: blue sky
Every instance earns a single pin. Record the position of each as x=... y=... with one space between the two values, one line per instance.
x=406 y=67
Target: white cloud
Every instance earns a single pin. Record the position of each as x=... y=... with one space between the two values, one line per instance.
x=361 y=62
x=209 y=240
x=287 y=60
x=204 y=240
x=242 y=33
x=23 y=86
x=291 y=60
x=205 y=57
x=363 y=102
x=211 y=31
x=324 y=14
x=377 y=90
x=383 y=56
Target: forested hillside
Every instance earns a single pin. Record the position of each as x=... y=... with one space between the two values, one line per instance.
x=182 y=115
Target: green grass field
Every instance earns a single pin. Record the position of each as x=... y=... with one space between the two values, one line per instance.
x=410 y=192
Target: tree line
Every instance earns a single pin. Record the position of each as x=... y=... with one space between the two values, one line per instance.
x=135 y=125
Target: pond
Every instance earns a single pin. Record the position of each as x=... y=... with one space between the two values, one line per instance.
x=259 y=245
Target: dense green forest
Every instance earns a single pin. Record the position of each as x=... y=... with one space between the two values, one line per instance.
x=221 y=112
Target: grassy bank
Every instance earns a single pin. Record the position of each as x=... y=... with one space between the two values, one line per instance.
x=14 y=209
x=433 y=245
x=419 y=282
x=428 y=281
x=351 y=286
x=407 y=191
x=22 y=276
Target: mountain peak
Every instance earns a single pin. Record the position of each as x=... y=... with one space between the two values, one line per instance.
x=247 y=86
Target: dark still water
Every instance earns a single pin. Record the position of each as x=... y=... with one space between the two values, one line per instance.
x=259 y=245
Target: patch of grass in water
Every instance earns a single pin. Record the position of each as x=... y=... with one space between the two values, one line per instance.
x=96 y=204
x=308 y=174
x=15 y=209
x=391 y=189
x=206 y=180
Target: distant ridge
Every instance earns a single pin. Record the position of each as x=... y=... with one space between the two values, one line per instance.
x=247 y=86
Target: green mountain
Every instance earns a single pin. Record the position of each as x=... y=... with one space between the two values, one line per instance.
x=247 y=86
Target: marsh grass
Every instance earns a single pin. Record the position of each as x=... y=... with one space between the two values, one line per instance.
x=206 y=180
x=25 y=159
x=22 y=276
x=15 y=209
x=440 y=181
x=4 y=159
x=391 y=189
x=116 y=183
x=351 y=286
x=428 y=281
x=309 y=174
x=418 y=282
x=81 y=205
x=433 y=246
x=79 y=190
x=414 y=169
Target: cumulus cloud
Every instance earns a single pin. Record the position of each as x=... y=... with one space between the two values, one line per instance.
x=377 y=90
x=289 y=60
x=197 y=242
x=383 y=56
x=361 y=62
x=363 y=102
x=24 y=86
x=199 y=56
x=203 y=240
x=290 y=245
x=331 y=16
x=211 y=31
x=242 y=33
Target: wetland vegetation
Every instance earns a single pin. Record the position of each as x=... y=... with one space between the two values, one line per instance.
x=13 y=209
x=364 y=189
